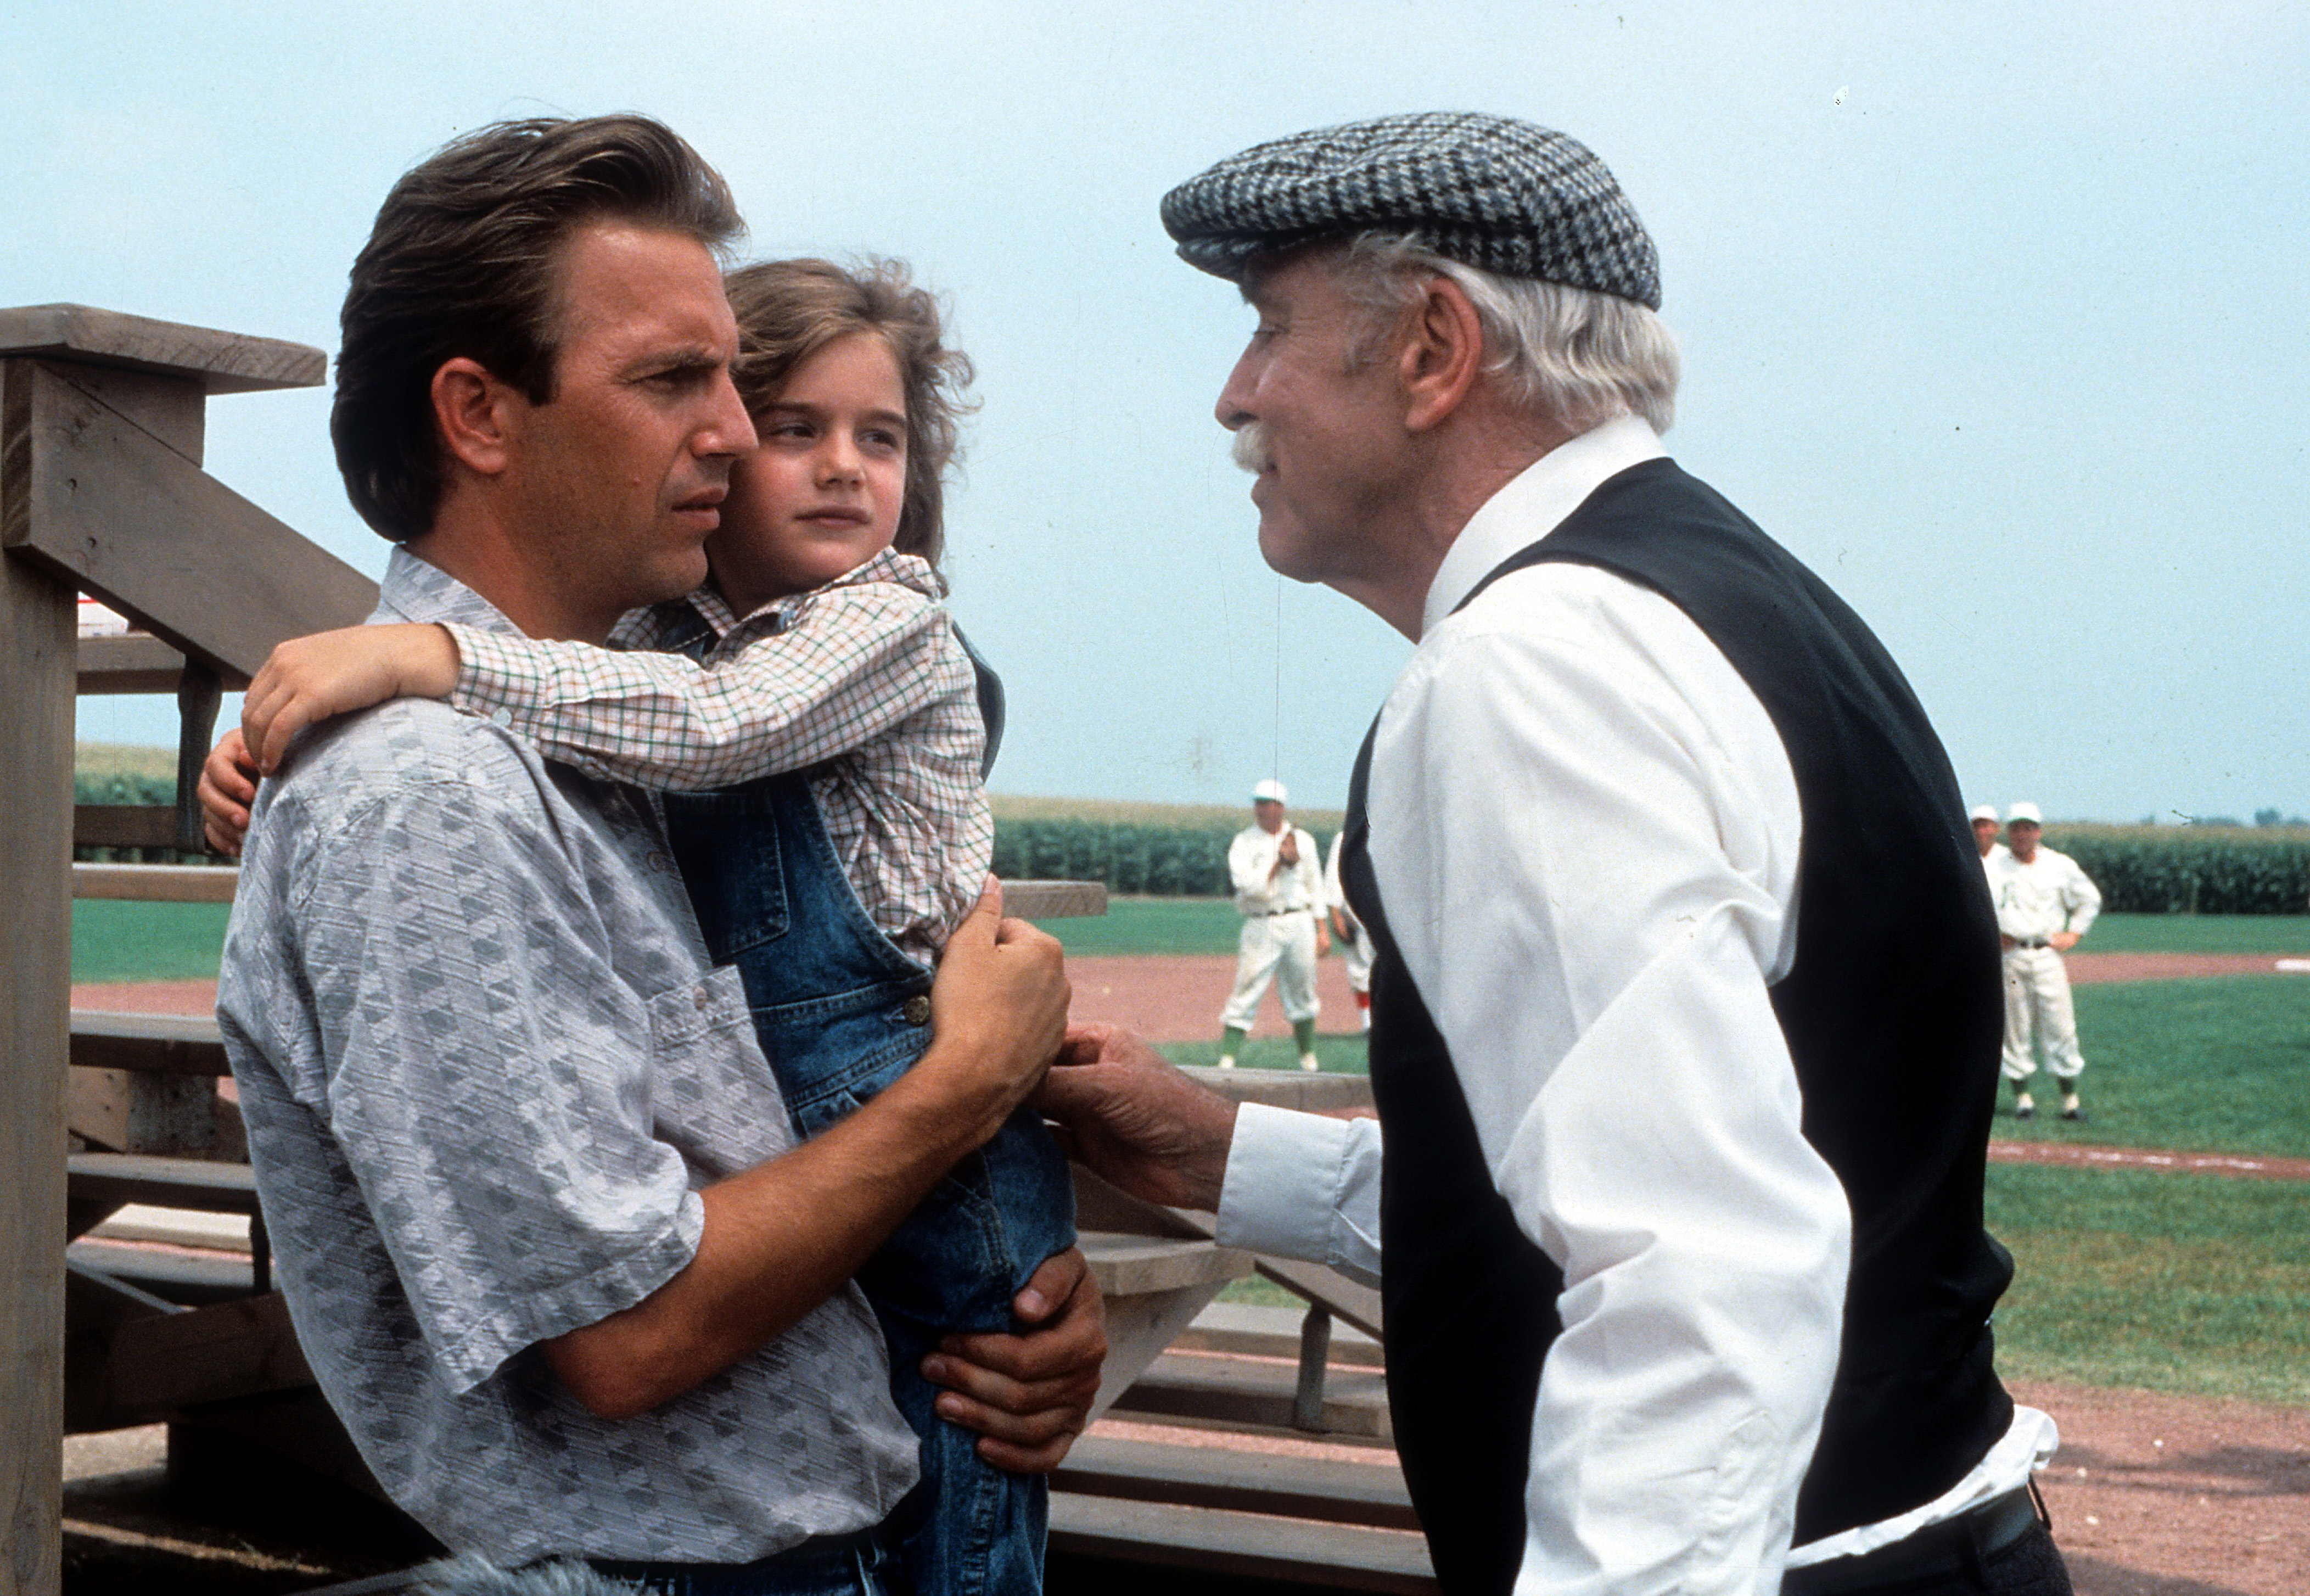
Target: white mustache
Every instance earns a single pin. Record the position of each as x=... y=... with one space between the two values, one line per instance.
x=1249 y=449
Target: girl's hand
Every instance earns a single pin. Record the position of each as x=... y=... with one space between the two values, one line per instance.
x=308 y=679
x=228 y=786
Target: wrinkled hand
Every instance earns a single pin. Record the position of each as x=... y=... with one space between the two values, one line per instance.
x=998 y=1009
x=1135 y=1120
x=227 y=787
x=308 y=679
x=1029 y=1395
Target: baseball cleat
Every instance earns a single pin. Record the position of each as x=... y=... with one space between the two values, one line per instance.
x=1307 y=1061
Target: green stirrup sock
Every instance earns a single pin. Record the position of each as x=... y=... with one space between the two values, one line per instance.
x=1231 y=1041
x=1303 y=1031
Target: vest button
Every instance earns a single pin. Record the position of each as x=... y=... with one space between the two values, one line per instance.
x=917 y=1009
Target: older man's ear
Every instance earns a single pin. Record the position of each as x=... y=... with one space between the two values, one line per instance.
x=1442 y=356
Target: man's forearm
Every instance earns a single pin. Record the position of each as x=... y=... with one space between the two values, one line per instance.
x=779 y=1239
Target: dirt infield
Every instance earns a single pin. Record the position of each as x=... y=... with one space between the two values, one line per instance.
x=1177 y=997
x=2087 y=968
x=2075 y=1155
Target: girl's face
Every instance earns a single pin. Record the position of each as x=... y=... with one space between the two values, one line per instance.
x=823 y=493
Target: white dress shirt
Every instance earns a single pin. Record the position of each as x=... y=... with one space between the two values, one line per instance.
x=2047 y=895
x=1585 y=830
x=1260 y=888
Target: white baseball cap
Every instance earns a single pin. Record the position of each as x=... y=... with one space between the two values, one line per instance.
x=2024 y=811
x=1269 y=792
x=1985 y=812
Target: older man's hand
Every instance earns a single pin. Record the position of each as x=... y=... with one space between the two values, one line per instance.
x=1134 y=1119
x=1029 y=1395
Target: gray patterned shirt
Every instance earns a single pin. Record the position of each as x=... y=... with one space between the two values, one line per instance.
x=486 y=1067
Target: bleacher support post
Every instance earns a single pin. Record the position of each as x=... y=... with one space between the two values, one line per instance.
x=38 y=665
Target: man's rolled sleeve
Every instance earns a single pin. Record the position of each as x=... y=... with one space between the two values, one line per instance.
x=486 y=1076
x=1304 y=1185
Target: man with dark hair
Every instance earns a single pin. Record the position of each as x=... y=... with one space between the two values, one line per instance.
x=548 y=1240
x=1685 y=1006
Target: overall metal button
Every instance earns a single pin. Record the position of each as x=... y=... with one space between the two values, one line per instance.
x=699 y=995
x=917 y=1009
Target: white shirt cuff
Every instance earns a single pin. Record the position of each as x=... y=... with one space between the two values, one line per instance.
x=1303 y=1186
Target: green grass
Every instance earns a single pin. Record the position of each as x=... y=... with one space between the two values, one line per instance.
x=2216 y=1065
x=1340 y=1056
x=1138 y=925
x=2199 y=934
x=146 y=942
x=2187 y=1283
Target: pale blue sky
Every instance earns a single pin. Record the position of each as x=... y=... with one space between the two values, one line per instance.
x=1995 y=315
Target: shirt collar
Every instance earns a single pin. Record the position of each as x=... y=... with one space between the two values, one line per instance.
x=417 y=590
x=1534 y=504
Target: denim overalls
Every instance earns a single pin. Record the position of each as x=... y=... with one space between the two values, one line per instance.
x=841 y=1013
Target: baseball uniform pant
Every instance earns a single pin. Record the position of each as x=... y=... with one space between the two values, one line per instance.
x=2038 y=1012
x=1278 y=948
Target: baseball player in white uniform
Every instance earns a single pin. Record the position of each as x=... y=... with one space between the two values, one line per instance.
x=1355 y=947
x=1279 y=886
x=2045 y=904
x=1985 y=838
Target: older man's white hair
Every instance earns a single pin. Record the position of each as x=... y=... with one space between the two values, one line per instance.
x=1575 y=356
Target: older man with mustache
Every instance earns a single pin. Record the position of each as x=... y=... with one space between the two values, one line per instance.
x=1686 y=1009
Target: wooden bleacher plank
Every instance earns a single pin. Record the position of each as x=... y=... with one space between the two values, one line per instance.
x=1244 y=1392
x=137 y=662
x=218 y=1353
x=1288 y=1485
x=1326 y=1555
x=1138 y=1265
x=1100 y=1204
x=147 y=1044
x=155 y=883
x=220 y=363
x=198 y=1183
x=1257 y=1329
x=123 y=825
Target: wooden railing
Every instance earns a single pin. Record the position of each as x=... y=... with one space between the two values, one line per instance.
x=102 y=422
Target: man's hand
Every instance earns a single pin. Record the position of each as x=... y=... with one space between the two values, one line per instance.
x=2062 y=941
x=1322 y=940
x=1136 y=1121
x=310 y=679
x=227 y=787
x=1029 y=1395
x=998 y=1009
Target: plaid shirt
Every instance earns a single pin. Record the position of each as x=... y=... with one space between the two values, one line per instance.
x=862 y=682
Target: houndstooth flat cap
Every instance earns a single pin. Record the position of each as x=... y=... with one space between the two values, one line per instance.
x=1492 y=192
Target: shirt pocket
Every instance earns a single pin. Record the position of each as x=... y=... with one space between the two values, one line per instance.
x=710 y=1092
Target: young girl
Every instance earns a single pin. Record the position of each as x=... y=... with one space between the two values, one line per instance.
x=813 y=720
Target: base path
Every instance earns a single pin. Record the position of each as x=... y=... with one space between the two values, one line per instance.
x=1177 y=997
x=2086 y=968
x=2073 y=1156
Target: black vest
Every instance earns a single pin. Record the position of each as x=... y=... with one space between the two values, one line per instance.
x=1893 y=1015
